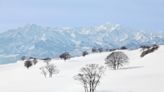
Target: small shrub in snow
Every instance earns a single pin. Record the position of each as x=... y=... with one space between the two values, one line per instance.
x=112 y=49
x=47 y=60
x=28 y=64
x=116 y=59
x=90 y=76
x=65 y=56
x=123 y=48
x=94 y=50
x=85 y=53
x=100 y=49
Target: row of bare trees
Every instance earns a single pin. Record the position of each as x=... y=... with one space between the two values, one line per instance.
x=49 y=70
x=89 y=75
x=66 y=55
x=107 y=49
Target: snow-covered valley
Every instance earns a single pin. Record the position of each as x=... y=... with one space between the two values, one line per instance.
x=139 y=75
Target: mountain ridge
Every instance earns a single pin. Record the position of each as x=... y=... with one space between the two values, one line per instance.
x=38 y=41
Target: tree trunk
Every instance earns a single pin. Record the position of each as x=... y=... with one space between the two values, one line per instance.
x=115 y=65
x=85 y=88
x=118 y=66
x=90 y=86
x=50 y=75
x=93 y=90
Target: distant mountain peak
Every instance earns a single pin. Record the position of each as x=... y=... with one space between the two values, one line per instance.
x=108 y=27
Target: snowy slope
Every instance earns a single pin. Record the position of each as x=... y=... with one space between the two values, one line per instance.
x=140 y=75
x=38 y=41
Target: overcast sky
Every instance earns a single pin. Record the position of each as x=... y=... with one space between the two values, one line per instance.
x=140 y=14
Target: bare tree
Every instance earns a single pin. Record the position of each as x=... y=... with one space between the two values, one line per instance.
x=116 y=59
x=49 y=69
x=43 y=71
x=90 y=76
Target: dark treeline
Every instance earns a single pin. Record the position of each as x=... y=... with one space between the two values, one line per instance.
x=148 y=49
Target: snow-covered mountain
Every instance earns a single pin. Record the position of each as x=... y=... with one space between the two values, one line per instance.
x=34 y=40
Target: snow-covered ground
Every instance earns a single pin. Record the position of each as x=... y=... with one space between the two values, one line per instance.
x=140 y=75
